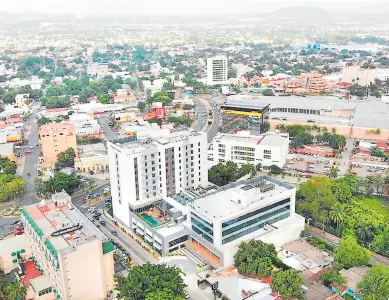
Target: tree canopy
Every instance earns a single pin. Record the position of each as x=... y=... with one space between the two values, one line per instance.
x=7 y=166
x=66 y=158
x=350 y=253
x=11 y=187
x=375 y=284
x=61 y=181
x=255 y=258
x=224 y=173
x=288 y=283
x=150 y=281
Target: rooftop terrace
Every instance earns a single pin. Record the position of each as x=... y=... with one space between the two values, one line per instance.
x=63 y=227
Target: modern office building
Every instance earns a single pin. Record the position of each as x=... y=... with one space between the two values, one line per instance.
x=73 y=259
x=217 y=70
x=56 y=138
x=259 y=208
x=267 y=149
x=356 y=74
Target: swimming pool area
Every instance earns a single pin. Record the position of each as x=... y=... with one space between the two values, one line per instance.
x=149 y=220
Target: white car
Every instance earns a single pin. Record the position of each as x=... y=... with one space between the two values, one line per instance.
x=91 y=209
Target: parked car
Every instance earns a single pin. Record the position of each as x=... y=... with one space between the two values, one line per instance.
x=114 y=232
x=102 y=223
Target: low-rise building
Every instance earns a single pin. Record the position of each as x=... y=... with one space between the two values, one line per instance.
x=266 y=149
x=92 y=158
x=356 y=74
x=88 y=128
x=7 y=151
x=21 y=100
x=307 y=83
x=10 y=135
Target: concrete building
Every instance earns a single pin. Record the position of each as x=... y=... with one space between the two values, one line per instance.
x=97 y=71
x=75 y=259
x=21 y=100
x=10 y=134
x=146 y=169
x=144 y=174
x=313 y=83
x=92 y=158
x=56 y=138
x=356 y=74
x=217 y=70
x=7 y=151
x=351 y=118
x=88 y=128
x=242 y=148
x=260 y=208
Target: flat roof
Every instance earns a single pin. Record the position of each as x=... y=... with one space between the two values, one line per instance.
x=51 y=218
x=6 y=149
x=149 y=143
x=273 y=140
x=12 y=244
x=239 y=197
x=41 y=283
x=253 y=140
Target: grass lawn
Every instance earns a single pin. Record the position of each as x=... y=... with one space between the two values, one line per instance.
x=378 y=203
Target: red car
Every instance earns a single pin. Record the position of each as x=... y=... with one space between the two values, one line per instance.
x=27 y=152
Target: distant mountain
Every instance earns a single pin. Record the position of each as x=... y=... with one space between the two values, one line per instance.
x=301 y=13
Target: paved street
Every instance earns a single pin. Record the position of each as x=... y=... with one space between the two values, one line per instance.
x=109 y=134
x=213 y=130
x=201 y=115
x=345 y=160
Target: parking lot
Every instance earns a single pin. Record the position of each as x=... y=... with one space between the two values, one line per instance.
x=308 y=165
x=364 y=165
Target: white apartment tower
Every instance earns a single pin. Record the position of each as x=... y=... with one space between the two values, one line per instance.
x=145 y=170
x=217 y=70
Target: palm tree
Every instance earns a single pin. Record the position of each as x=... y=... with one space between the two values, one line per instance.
x=336 y=214
x=15 y=291
x=334 y=170
x=365 y=233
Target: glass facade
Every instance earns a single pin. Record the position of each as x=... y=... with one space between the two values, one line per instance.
x=248 y=223
x=202 y=227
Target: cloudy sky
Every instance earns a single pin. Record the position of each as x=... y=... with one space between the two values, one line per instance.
x=177 y=6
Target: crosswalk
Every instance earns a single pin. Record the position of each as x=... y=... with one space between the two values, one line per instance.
x=190 y=255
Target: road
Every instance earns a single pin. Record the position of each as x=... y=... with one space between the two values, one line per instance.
x=214 y=128
x=109 y=134
x=31 y=162
x=201 y=115
x=345 y=160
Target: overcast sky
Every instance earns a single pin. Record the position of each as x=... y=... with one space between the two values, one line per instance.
x=177 y=6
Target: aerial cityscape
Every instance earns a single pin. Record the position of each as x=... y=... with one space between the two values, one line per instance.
x=177 y=150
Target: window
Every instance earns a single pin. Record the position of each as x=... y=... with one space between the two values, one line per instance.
x=267 y=156
x=267 y=151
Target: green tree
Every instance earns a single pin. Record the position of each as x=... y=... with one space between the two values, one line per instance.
x=7 y=166
x=337 y=214
x=350 y=254
x=375 y=284
x=350 y=181
x=332 y=276
x=15 y=291
x=141 y=106
x=334 y=171
x=103 y=98
x=267 y=92
x=342 y=191
x=287 y=283
x=365 y=233
x=147 y=280
x=255 y=258
x=66 y=158
x=61 y=181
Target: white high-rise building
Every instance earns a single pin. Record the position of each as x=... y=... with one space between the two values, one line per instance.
x=217 y=70
x=145 y=170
